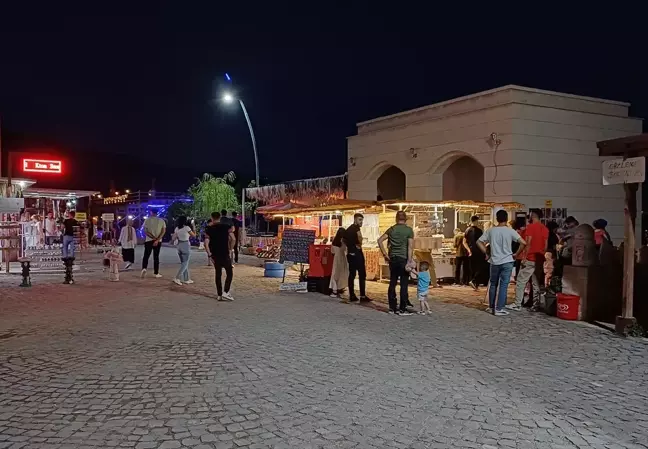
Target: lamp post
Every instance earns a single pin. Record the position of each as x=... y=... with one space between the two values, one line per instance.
x=229 y=98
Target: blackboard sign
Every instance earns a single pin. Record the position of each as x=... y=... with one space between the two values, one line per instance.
x=294 y=245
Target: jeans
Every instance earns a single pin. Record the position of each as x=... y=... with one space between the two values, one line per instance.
x=220 y=263
x=184 y=252
x=356 y=265
x=148 y=249
x=527 y=271
x=68 y=246
x=462 y=261
x=397 y=272
x=500 y=276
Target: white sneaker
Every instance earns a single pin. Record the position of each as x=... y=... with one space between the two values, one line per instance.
x=177 y=281
x=228 y=296
x=158 y=275
x=143 y=274
x=127 y=266
x=513 y=307
x=189 y=282
x=488 y=310
x=501 y=313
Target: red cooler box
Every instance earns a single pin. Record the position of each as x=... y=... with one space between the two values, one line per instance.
x=320 y=260
x=567 y=306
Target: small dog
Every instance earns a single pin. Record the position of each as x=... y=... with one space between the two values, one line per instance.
x=114 y=259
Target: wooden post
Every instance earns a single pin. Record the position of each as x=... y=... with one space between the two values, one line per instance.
x=630 y=213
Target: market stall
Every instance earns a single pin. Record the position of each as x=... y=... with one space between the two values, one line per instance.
x=43 y=211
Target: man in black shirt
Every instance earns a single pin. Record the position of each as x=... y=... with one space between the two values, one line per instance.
x=219 y=240
x=68 y=236
x=237 y=234
x=355 y=257
x=477 y=261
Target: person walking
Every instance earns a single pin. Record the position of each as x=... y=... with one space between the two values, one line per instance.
x=154 y=229
x=237 y=235
x=182 y=234
x=128 y=242
x=219 y=240
x=355 y=258
x=475 y=254
x=400 y=241
x=535 y=237
x=500 y=239
x=340 y=270
x=461 y=259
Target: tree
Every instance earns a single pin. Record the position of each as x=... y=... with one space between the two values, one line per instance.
x=213 y=194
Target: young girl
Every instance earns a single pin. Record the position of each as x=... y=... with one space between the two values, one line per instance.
x=181 y=235
x=114 y=258
x=423 y=288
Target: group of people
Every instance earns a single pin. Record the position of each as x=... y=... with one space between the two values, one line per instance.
x=222 y=236
x=349 y=262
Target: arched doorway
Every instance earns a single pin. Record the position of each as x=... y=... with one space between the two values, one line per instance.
x=391 y=184
x=464 y=180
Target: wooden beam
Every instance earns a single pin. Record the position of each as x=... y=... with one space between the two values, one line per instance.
x=619 y=147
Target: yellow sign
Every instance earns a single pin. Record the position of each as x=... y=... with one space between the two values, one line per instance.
x=548 y=204
x=81 y=216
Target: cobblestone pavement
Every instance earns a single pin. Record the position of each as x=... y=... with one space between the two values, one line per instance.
x=146 y=364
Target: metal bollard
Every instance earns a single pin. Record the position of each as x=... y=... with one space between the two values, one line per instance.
x=25 y=263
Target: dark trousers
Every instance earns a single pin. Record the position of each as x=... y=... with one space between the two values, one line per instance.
x=219 y=264
x=357 y=265
x=477 y=262
x=148 y=249
x=397 y=273
x=518 y=265
x=462 y=262
x=236 y=251
x=128 y=255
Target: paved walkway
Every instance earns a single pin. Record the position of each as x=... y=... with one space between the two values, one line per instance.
x=146 y=364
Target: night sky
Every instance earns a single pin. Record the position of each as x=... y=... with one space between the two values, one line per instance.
x=139 y=80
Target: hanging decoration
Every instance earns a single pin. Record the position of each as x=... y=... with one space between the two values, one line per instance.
x=315 y=191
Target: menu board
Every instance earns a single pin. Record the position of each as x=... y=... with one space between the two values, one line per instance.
x=294 y=245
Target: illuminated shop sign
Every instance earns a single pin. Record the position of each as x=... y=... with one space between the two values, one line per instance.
x=42 y=166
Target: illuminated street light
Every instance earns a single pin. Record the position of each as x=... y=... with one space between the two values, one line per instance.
x=127 y=191
x=229 y=98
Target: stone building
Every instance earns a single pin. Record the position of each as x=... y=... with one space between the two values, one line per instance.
x=510 y=144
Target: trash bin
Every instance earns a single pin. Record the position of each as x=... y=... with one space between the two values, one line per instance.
x=568 y=306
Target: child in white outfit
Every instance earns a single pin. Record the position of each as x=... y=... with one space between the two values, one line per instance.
x=114 y=258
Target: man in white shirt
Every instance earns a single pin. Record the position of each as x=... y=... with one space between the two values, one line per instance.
x=500 y=239
x=51 y=229
x=154 y=229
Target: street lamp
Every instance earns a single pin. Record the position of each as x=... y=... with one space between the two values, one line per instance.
x=229 y=98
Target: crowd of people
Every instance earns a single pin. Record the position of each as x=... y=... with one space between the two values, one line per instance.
x=522 y=251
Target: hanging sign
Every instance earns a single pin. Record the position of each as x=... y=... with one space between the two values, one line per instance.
x=624 y=171
x=42 y=166
x=108 y=217
x=81 y=216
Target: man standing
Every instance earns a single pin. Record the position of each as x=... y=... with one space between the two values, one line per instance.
x=68 y=236
x=475 y=255
x=400 y=239
x=461 y=259
x=500 y=238
x=51 y=229
x=355 y=257
x=237 y=234
x=219 y=240
x=154 y=229
x=224 y=218
x=536 y=235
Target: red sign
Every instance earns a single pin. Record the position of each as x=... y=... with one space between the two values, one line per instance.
x=42 y=166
